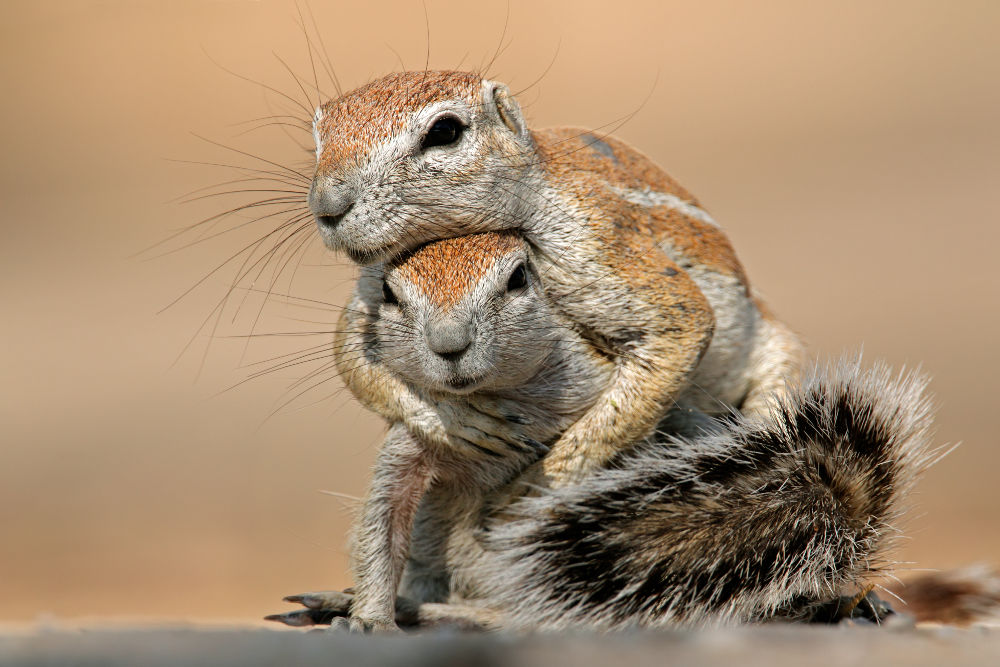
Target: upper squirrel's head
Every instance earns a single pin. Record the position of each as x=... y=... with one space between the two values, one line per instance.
x=417 y=156
x=461 y=315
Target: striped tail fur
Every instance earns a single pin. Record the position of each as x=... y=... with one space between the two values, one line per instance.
x=762 y=519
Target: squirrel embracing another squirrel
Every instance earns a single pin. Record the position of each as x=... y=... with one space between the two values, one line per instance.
x=594 y=421
x=706 y=520
x=634 y=264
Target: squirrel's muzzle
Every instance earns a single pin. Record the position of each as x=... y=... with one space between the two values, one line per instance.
x=331 y=221
x=330 y=204
x=449 y=338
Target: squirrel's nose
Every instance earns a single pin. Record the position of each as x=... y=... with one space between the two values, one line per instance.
x=329 y=204
x=331 y=221
x=449 y=338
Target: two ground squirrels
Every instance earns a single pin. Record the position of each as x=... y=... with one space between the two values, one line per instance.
x=631 y=260
x=766 y=514
x=708 y=520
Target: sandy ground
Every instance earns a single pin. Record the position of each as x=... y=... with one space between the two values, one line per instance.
x=765 y=646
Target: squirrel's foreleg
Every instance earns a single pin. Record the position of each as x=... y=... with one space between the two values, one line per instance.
x=382 y=536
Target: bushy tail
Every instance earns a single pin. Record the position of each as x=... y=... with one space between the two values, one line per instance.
x=954 y=597
x=762 y=519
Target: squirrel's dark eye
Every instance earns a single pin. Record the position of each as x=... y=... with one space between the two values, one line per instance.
x=518 y=279
x=388 y=295
x=444 y=131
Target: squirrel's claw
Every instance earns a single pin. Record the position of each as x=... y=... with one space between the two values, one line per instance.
x=873 y=608
x=303 y=618
x=865 y=606
x=338 y=601
x=321 y=608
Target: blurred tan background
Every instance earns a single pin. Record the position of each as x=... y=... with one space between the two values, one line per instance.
x=851 y=149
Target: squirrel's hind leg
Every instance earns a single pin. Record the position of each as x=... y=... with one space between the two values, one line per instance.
x=776 y=362
x=865 y=606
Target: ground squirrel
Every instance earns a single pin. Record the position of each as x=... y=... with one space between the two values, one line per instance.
x=708 y=520
x=631 y=260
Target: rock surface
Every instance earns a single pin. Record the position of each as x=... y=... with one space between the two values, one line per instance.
x=772 y=646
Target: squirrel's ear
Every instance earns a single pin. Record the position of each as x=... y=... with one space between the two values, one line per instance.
x=497 y=98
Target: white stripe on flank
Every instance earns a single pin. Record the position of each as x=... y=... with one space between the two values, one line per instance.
x=652 y=198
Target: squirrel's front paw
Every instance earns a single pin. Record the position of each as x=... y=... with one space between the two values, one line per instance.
x=499 y=435
x=359 y=626
x=372 y=626
x=332 y=608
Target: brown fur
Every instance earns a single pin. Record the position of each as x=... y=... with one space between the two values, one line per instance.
x=954 y=597
x=627 y=254
x=635 y=268
x=360 y=119
x=586 y=173
x=447 y=270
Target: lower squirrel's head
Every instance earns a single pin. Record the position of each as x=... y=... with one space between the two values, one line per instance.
x=418 y=156
x=461 y=315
